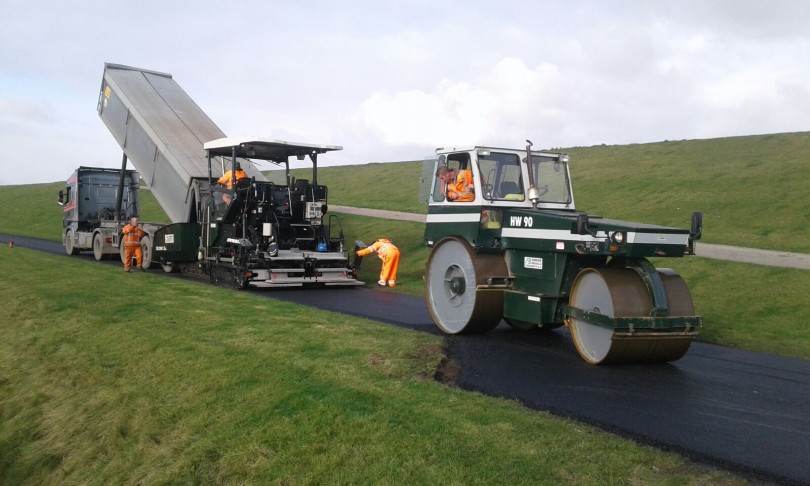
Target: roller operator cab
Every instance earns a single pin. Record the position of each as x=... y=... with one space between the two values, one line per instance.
x=518 y=250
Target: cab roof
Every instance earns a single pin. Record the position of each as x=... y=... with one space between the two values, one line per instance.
x=266 y=149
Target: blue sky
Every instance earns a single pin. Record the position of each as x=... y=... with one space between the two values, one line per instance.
x=390 y=81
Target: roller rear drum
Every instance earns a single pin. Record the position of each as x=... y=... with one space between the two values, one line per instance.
x=453 y=273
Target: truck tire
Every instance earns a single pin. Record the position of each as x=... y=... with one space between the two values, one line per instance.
x=70 y=243
x=98 y=247
x=146 y=248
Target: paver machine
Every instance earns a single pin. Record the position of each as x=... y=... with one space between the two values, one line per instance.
x=257 y=232
x=522 y=253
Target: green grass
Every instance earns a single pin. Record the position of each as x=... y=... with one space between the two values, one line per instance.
x=407 y=236
x=752 y=307
x=31 y=210
x=393 y=186
x=751 y=190
x=140 y=379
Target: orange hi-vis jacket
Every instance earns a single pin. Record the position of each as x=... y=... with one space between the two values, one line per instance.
x=133 y=235
x=381 y=247
x=389 y=254
x=461 y=187
x=227 y=181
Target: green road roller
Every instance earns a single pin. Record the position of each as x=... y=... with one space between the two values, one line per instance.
x=508 y=244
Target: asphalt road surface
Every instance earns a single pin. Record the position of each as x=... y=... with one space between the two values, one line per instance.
x=743 y=411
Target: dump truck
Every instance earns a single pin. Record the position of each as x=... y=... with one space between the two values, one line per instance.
x=252 y=232
x=519 y=251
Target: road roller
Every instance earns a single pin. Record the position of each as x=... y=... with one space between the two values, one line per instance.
x=507 y=244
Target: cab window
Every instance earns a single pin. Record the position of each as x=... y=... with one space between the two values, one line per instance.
x=501 y=176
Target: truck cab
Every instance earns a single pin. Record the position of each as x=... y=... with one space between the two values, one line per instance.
x=94 y=208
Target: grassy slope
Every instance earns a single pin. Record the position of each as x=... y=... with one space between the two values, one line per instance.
x=750 y=189
x=127 y=387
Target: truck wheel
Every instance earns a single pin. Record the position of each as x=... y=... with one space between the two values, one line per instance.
x=98 y=247
x=70 y=243
x=454 y=271
x=146 y=248
x=621 y=292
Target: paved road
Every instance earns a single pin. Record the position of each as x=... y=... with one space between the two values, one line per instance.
x=744 y=411
x=705 y=250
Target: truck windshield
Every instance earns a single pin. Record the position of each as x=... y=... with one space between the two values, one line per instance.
x=501 y=178
x=551 y=178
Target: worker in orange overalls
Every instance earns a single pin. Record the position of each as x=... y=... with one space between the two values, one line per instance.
x=389 y=254
x=458 y=184
x=132 y=244
x=229 y=178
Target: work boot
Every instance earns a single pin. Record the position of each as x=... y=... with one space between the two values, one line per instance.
x=142 y=269
x=392 y=283
x=382 y=283
x=126 y=270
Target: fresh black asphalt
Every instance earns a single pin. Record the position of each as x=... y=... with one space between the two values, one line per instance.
x=747 y=412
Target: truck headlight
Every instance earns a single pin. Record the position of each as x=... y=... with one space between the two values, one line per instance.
x=618 y=237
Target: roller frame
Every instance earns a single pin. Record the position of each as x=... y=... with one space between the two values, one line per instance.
x=679 y=325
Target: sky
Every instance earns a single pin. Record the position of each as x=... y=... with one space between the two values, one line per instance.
x=393 y=80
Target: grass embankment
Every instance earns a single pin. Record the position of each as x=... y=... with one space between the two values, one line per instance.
x=114 y=378
x=751 y=189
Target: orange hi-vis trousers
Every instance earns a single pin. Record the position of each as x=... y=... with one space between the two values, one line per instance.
x=389 y=254
x=129 y=252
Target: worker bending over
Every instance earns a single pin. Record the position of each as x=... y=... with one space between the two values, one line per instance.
x=458 y=184
x=389 y=254
x=132 y=244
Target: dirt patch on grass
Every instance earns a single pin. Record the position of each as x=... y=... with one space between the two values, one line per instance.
x=448 y=370
x=423 y=362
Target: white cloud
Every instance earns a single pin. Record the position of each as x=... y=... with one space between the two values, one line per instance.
x=391 y=81
x=505 y=98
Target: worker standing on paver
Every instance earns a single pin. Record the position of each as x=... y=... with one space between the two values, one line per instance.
x=231 y=176
x=389 y=254
x=132 y=244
